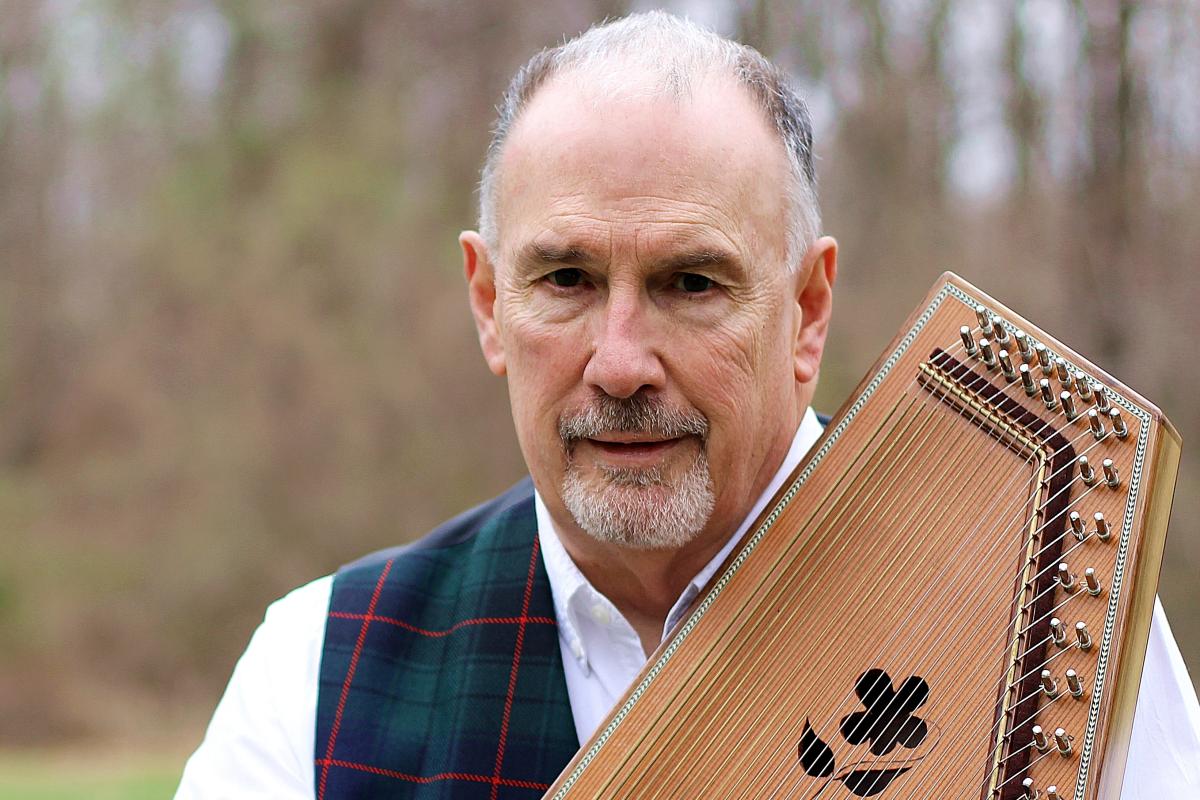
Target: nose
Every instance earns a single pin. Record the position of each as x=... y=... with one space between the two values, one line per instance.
x=624 y=357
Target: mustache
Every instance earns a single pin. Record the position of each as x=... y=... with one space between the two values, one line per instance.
x=640 y=413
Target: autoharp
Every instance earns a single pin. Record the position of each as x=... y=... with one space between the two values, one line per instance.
x=950 y=597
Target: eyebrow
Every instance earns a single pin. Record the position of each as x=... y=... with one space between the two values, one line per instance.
x=556 y=254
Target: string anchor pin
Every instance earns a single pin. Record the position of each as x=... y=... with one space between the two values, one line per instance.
x=1058 y=632
x=989 y=355
x=1068 y=403
x=985 y=319
x=1084 y=385
x=1065 y=579
x=1118 y=423
x=1074 y=685
x=1102 y=529
x=1082 y=636
x=1039 y=739
x=1006 y=365
x=1091 y=582
x=1086 y=473
x=1052 y=792
x=1047 y=394
x=1048 y=684
x=1110 y=473
x=1044 y=358
x=1027 y=380
x=1102 y=401
x=1027 y=790
x=1023 y=346
x=968 y=340
x=1077 y=525
x=1064 y=372
x=1096 y=425
x=1062 y=742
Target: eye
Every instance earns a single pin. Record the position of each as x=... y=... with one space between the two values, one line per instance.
x=692 y=283
x=566 y=277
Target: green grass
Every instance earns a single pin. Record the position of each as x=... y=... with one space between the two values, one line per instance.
x=87 y=776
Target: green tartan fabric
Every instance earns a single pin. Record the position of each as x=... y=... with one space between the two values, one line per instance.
x=441 y=675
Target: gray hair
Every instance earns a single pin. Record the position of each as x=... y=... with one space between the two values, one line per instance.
x=677 y=53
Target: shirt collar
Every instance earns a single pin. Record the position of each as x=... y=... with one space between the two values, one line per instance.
x=572 y=591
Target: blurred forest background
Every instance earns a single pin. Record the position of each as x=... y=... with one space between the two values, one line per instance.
x=236 y=351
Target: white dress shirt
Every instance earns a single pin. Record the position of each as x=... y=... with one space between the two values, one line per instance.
x=260 y=742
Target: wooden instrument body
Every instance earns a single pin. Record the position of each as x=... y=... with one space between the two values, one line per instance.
x=882 y=629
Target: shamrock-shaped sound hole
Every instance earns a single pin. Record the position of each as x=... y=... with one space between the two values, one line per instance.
x=888 y=719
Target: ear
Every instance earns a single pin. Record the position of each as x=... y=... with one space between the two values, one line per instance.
x=481 y=291
x=814 y=296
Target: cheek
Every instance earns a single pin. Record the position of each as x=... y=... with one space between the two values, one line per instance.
x=545 y=363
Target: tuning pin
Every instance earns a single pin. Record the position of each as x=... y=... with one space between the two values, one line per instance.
x=1082 y=636
x=1102 y=402
x=1062 y=742
x=989 y=355
x=1027 y=380
x=1091 y=582
x=1039 y=739
x=1052 y=792
x=1074 y=685
x=1096 y=425
x=1027 y=790
x=1077 y=525
x=1058 y=631
x=1110 y=473
x=1000 y=334
x=1047 y=394
x=1068 y=403
x=968 y=340
x=985 y=320
x=1102 y=529
x=1065 y=579
x=1006 y=365
x=1086 y=473
x=1048 y=684
x=1118 y=423
x=1084 y=385
x=1044 y=358
x=1064 y=372
x=1023 y=346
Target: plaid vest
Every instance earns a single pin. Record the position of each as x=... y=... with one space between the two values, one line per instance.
x=441 y=675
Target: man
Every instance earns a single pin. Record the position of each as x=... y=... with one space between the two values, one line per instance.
x=650 y=277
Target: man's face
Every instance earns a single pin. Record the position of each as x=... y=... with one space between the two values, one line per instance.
x=642 y=309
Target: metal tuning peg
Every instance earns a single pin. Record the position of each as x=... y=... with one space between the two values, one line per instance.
x=1074 y=685
x=1058 y=632
x=989 y=355
x=1068 y=403
x=1082 y=636
x=1040 y=741
x=1027 y=380
x=1118 y=423
x=1062 y=742
x=1047 y=394
x=1048 y=684
x=1052 y=793
x=1095 y=424
x=1110 y=473
x=985 y=319
x=1065 y=579
x=1084 y=385
x=1044 y=358
x=1077 y=525
x=1006 y=365
x=1091 y=582
x=1064 y=372
x=1102 y=401
x=968 y=340
x=1027 y=790
x=1000 y=334
x=1023 y=346
x=1086 y=473
x=1102 y=529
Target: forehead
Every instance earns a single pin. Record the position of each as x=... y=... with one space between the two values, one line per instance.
x=642 y=161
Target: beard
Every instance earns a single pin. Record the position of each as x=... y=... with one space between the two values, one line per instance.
x=641 y=508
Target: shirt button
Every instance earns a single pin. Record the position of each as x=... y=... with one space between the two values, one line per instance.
x=576 y=648
x=601 y=614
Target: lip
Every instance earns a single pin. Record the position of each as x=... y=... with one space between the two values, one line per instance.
x=630 y=450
